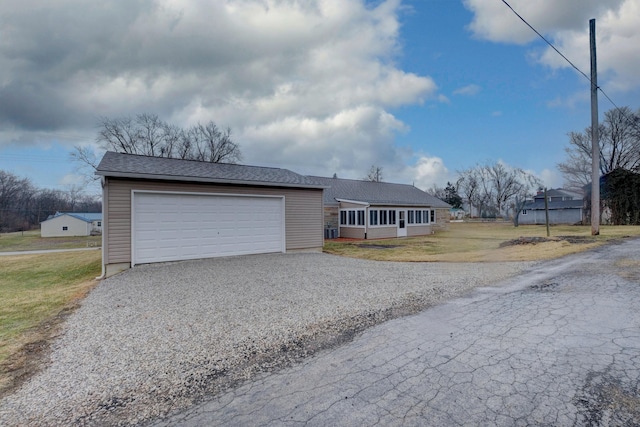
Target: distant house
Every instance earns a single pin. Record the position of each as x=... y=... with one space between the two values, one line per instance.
x=71 y=224
x=565 y=207
x=373 y=210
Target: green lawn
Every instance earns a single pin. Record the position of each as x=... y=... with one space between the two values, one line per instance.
x=31 y=240
x=34 y=290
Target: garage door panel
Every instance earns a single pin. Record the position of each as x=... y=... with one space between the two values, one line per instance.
x=187 y=226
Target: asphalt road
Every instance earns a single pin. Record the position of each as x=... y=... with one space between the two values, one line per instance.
x=557 y=346
x=47 y=251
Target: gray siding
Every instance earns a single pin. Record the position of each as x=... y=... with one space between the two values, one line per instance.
x=556 y=216
x=303 y=212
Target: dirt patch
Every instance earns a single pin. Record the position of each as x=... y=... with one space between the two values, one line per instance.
x=605 y=400
x=374 y=246
x=527 y=241
x=536 y=240
x=578 y=239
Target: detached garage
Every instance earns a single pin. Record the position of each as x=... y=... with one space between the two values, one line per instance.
x=158 y=210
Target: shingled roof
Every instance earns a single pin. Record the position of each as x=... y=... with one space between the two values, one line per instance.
x=377 y=193
x=136 y=166
x=553 y=205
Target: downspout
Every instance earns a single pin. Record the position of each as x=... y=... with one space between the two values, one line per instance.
x=366 y=221
x=104 y=228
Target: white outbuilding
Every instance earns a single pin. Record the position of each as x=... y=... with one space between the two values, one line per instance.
x=71 y=224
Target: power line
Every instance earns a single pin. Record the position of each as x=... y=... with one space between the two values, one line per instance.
x=546 y=41
x=559 y=53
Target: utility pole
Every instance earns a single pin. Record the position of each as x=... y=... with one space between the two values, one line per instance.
x=595 y=145
x=546 y=210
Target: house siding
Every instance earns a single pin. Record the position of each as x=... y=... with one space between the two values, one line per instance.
x=418 y=230
x=347 y=205
x=382 y=232
x=352 y=232
x=303 y=212
x=556 y=216
x=75 y=227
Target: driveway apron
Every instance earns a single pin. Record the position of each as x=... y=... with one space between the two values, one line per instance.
x=559 y=345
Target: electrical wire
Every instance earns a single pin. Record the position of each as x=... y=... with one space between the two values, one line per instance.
x=559 y=53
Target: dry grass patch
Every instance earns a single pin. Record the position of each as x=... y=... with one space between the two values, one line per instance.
x=31 y=241
x=482 y=242
x=35 y=292
x=629 y=269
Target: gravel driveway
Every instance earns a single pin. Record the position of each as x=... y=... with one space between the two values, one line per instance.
x=158 y=338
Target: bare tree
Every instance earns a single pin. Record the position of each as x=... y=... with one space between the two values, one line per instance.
x=211 y=144
x=505 y=183
x=492 y=188
x=23 y=206
x=437 y=191
x=374 y=174
x=15 y=195
x=469 y=187
x=619 y=148
x=146 y=134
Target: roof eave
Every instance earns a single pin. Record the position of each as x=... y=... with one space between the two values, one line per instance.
x=107 y=174
x=355 y=202
x=398 y=204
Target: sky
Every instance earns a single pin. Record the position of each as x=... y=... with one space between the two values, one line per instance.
x=422 y=88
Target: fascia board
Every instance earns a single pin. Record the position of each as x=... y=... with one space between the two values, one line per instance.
x=206 y=180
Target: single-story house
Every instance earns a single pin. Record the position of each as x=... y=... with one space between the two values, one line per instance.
x=374 y=210
x=565 y=207
x=63 y=224
x=158 y=209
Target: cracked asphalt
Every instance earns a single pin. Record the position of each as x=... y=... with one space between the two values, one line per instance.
x=559 y=345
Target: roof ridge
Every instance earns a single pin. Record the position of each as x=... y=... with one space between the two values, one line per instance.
x=360 y=180
x=195 y=161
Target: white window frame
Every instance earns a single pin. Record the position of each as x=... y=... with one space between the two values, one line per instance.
x=418 y=217
x=357 y=214
x=394 y=213
x=386 y=218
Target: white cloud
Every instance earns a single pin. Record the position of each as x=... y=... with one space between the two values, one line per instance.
x=566 y=24
x=496 y=22
x=469 y=90
x=427 y=172
x=551 y=178
x=305 y=85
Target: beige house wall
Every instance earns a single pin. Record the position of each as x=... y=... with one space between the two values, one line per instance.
x=303 y=212
x=352 y=232
x=418 y=230
x=347 y=205
x=382 y=232
x=376 y=232
x=75 y=227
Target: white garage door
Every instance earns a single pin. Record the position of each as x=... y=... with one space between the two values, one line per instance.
x=170 y=227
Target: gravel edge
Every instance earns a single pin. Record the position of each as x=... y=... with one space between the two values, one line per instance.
x=159 y=338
